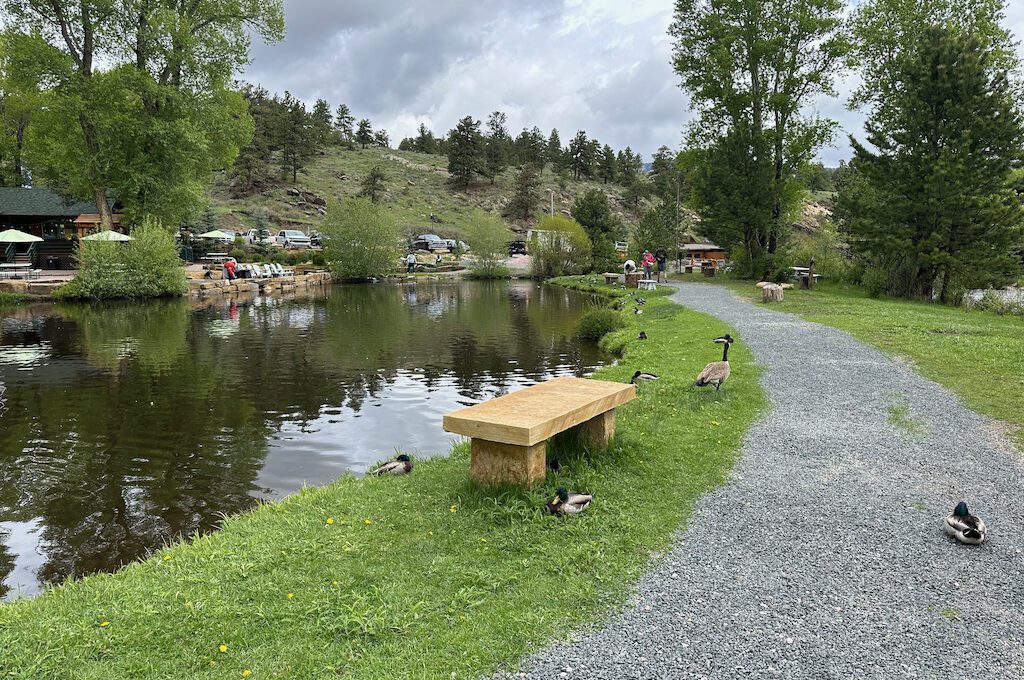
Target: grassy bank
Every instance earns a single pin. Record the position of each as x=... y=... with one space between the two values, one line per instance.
x=12 y=299
x=978 y=355
x=423 y=576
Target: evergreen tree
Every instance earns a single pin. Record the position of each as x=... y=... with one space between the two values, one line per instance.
x=252 y=167
x=407 y=144
x=607 y=166
x=937 y=193
x=424 y=141
x=343 y=123
x=381 y=138
x=579 y=156
x=296 y=136
x=665 y=176
x=465 y=151
x=636 y=189
x=372 y=186
x=322 y=122
x=593 y=211
x=498 y=145
x=526 y=193
x=554 y=150
x=364 y=133
x=630 y=164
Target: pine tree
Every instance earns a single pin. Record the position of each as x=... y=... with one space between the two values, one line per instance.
x=343 y=123
x=554 y=150
x=372 y=186
x=496 y=151
x=580 y=160
x=323 y=122
x=665 y=175
x=381 y=138
x=937 y=194
x=607 y=166
x=425 y=141
x=465 y=151
x=526 y=193
x=364 y=133
x=630 y=165
x=296 y=136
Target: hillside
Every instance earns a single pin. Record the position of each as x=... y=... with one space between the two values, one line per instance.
x=417 y=187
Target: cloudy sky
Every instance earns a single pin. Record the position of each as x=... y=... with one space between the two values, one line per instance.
x=598 y=65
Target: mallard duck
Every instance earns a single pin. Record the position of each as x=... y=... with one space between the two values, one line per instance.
x=641 y=301
x=640 y=376
x=637 y=310
x=963 y=526
x=569 y=503
x=399 y=466
x=642 y=336
x=717 y=372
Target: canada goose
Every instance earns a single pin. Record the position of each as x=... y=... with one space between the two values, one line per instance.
x=963 y=526
x=642 y=336
x=569 y=503
x=399 y=466
x=640 y=376
x=717 y=372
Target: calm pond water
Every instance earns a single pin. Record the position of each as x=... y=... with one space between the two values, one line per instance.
x=124 y=426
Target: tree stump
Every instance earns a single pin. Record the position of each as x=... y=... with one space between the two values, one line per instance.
x=771 y=293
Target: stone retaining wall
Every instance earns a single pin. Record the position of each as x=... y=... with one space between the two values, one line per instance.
x=284 y=284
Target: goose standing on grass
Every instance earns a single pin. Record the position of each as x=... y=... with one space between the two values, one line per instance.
x=640 y=376
x=717 y=372
x=569 y=503
x=399 y=466
x=963 y=526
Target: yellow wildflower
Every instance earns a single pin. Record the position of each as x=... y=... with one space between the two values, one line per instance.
x=430 y=533
x=330 y=520
x=104 y=624
x=451 y=509
x=246 y=673
x=334 y=583
x=367 y=521
x=715 y=423
x=223 y=649
x=167 y=558
x=291 y=596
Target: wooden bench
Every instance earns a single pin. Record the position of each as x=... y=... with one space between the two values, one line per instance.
x=509 y=434
x=610 y=277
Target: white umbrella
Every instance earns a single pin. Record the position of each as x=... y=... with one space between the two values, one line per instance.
x=107 y=235
x=15 y=236
x=216 y=233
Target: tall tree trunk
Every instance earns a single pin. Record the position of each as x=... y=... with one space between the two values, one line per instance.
x=99 y=184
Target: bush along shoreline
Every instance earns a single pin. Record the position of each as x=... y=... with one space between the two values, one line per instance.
x=419 y=576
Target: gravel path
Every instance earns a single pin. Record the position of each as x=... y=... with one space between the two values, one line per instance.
x=824 y=557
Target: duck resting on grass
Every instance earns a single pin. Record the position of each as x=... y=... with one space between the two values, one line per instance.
x=640 y=376
x=569 y=503
x=637 y=310
x=963 y=526
x=717 y=372
x=642 y=336
x=399 y=466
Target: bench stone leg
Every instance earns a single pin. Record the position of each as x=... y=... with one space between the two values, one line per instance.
x=496 y=463
x=599 y=430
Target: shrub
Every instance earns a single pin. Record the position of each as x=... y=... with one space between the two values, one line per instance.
x=237 y=253
x=147 y=266
x=560 y=248
x=362 y=239
x=875 y=281
x=488 y=239
x=597 y=323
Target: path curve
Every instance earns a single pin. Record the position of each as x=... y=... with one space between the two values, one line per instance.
x=823 y=557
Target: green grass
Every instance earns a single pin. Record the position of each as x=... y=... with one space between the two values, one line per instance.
x=12 y=299
x=978 y=355
x=424 y=576
x=899 y=417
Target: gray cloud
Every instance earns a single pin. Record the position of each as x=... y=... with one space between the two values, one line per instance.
x=598 y=65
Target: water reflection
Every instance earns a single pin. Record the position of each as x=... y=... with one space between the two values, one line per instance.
x=124 y=426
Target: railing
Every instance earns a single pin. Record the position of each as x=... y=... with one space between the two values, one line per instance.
x=9 y=253
x=32 y=253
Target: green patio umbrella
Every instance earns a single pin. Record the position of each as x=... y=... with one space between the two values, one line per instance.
x=216 y=233
x=107 y=235
x=15 y=236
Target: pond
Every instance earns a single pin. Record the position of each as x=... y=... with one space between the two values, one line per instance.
x=123 y=427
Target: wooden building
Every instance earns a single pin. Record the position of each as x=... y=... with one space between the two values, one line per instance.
x=58 y=221
x=695 y=254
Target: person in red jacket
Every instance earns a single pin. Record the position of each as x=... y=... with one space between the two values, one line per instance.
x=647 y=262
x=229 y=268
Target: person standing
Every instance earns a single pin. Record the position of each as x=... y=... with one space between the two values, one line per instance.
x=647 y=262
x=410 y=262
x=229 y=268
x=661 y=257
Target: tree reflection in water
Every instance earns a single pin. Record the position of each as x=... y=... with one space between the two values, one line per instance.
x=126 y=426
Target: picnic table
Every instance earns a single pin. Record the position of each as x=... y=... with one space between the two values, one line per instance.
x=647 y=284
x=15 y=268
x=509 y=434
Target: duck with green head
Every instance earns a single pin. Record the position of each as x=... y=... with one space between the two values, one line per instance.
x=963 y=526
x=569 y=503
x=399 y=466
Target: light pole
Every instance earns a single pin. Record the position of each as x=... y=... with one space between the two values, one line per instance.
x=552 y=202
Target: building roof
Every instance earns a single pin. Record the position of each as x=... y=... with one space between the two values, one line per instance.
x=39 y=202
x=702 y=246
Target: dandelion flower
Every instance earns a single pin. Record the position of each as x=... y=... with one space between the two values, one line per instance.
x=104 y=624
x=167 y=558
x=367 y=521
x=715 y=423
x=451 y=509
x=223 y=649
x=347 y=548
x=246 y=673
x=291 y=596
x=430 y=533
x=330 y=520
x=334 y=583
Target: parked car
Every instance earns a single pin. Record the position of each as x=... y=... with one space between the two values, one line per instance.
x=316 y=240
x=516 y=248
x=292 y=238
x=257 y=237
x=429 y=242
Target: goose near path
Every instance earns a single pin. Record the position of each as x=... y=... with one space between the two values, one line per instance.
x=569 y=503
x=399 y=466
x=963 y=526
x=640 y=376
x=717 y=372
